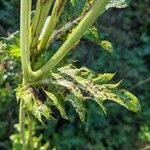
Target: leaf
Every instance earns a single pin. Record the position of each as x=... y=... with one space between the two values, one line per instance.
x=78 y=90
x=11 y=45
x=76 y=85
x=125 y=98
x=118 y=3
x=1 y=46
x=107 y=46
x=73 y=9
x=33 y=105
x=56 y=102
x=93 y=35
x=102 y=91
x=101 y=104
x=78 y=106
x=85 y=73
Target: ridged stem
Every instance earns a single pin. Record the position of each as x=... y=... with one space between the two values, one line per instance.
x=97 y=9
x=57 y=33
x=57 y=9
x=25 y=36
x=41 y=13
x=25 y=59
x=22 y=123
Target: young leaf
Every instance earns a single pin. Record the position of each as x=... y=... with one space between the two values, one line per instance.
x=93 y=35
x=107 y=46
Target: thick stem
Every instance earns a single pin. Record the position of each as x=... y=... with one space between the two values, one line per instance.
x=25 y=38
x=97 y=9
x=25 y=59
x=58 y=7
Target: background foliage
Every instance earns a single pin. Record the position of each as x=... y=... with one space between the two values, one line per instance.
x=129 y=31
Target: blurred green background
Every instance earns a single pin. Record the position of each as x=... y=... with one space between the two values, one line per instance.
x=129 y=31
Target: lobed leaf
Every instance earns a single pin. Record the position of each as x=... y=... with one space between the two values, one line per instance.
x=75 y=85
x=100 y=90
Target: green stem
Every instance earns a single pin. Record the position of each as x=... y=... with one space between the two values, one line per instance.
x=97 y=9
x=25 y=38
x=30 y=142
x=57 y=33
x=58 y=7
x=41 y=12
x=22 y=123
x=25 y=59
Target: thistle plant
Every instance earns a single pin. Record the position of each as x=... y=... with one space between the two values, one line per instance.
x=49 y=82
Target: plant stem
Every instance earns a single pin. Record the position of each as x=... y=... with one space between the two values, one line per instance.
x=41 y=12
x=97 y=9
x=57 y=33
x=25 y=59
x=58 y=7
x=22 y=123
x=30 y=142
x=25 y=38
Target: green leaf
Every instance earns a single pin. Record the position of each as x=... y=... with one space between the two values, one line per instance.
x=57 y=103
x=124 y=98
x=101 y=104
x=76 y=85
x=99 y=90
x=73 y=9
x=93 y=35
x=33 y=104
x=85 y=74
x=78 y=106
x=11 y=45
x=118 y=3
x=107 y=45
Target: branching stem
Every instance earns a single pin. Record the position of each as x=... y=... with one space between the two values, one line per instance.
x=57 y=33
x=97 y=9
x=25 y=59
x=41 y=12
